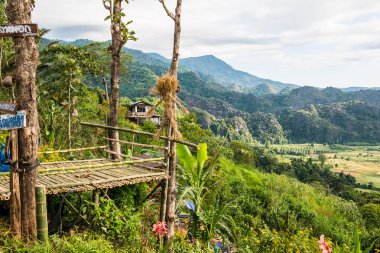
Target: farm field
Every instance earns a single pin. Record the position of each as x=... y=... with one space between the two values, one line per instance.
x=362 y=162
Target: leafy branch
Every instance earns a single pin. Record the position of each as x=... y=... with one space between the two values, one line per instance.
x=117 y=22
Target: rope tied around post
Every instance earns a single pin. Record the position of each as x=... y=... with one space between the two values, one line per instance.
x=26 y=166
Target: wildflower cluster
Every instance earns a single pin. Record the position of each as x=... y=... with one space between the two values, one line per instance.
x=160 y=229
x=324 y=246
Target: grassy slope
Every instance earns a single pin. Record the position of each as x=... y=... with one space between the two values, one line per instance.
x=331 y=215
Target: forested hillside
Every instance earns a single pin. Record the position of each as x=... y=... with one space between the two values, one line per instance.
x=270 y=111
x=304 y=114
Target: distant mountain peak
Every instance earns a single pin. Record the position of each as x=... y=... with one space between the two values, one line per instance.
x=221 y=72
x=207 y=67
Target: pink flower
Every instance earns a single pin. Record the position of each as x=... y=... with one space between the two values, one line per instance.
x=160 y=228
x=324 y=246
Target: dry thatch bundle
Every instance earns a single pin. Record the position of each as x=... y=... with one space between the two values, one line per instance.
x=166 y=89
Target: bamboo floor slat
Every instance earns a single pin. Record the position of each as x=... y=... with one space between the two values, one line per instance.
x=104 y=174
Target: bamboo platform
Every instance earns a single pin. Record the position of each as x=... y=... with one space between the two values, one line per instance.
x=85 y=175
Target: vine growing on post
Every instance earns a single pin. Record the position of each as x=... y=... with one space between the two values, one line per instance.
x=120 y=35
x=171 y=184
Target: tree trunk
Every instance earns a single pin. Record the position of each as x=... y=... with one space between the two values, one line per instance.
x=171 y=194
x=177 y=39
x=115 y=81
x=172 y=186
x=26 y=58
x=164 y=186
x=105 y=88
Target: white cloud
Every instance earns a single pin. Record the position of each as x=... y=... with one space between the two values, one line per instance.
x=298 y=41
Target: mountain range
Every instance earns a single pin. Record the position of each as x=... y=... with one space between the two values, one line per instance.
x=246 y=107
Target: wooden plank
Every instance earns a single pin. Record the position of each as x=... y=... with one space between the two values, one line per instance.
x=46 y=180
x=94 y=176
x=105 y=175
x=99 y=175
x=59 y=179
x=55 y=181
x=76 y=161
x=6 y=107
x=71 y=150
x=68 y=178
x=137 y=144
x=114 y=153
x=139 y=132
x=19 y=30
x=9 y=122
x=110 y=180
x=41 y=180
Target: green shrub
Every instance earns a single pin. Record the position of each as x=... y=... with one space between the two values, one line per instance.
x=84 y=243
x=121 y=225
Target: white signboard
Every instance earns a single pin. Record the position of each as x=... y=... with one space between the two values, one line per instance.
x=8 y=121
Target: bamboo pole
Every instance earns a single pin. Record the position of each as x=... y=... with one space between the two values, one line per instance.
x=139 y=132
x=75 y=161
x=41 y=214
x=69 y=126
x=138 y=144
x=104 y=164
x=133 y=158
x=148 y=168
x=138 y=158
x=71 y=150
x=61 y=172
x=96 y=165
x=114 y=153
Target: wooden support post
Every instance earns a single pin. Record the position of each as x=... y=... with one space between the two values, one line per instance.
x=14 y=186
x=153 y=191
x=164 y=196
x=164 y=186
x=172 y=187
x=132 y=147
x=95 y=197
x=41 y=214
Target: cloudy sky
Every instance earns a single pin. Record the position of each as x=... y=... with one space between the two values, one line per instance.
x=306 y=42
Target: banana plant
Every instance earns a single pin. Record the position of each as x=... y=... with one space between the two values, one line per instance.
x=194 y=175
x=209 y=215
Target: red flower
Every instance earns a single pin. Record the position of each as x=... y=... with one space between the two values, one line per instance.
x=324 y=246
x=160 y=228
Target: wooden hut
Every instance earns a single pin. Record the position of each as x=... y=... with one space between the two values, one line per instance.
x=138 y=113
